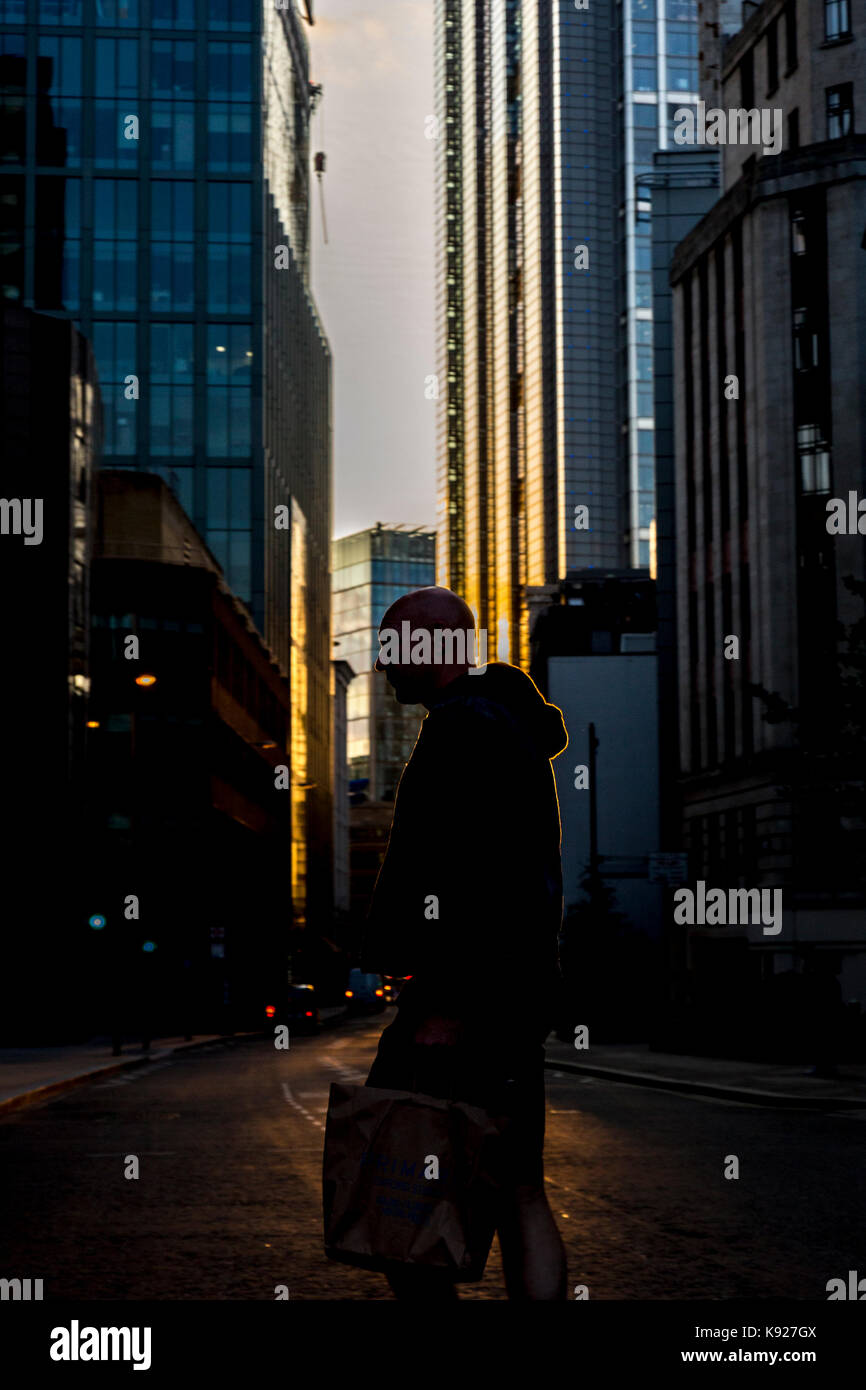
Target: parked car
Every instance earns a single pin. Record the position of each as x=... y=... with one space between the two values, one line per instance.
x=299 y=1012
x=365 y=994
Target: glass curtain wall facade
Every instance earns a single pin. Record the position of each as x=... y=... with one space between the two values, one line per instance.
x=153 y=156
x=659 y=44
x=548 y=116
x=371 y=570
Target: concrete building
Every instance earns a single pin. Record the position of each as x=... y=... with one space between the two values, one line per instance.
x=548 y=117
x=684 y=186
x=593 y=656
x=51 y=429
x=804 y=57
x=770 y=326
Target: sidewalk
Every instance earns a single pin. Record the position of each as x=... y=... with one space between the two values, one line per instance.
x=763 y=1083
x=32 y=1074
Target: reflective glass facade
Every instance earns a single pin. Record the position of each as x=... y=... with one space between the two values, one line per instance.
x=143 y=140
x=660 y=76
x=153 y=160
x=371 y=570
x=548 y=116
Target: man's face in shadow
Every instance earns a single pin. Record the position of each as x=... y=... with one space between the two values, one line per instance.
x=434 y=612
x=410 y=683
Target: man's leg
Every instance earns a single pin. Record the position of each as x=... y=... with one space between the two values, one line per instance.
x=533 y=1255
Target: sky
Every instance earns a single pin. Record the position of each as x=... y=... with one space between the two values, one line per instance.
x=374 y=280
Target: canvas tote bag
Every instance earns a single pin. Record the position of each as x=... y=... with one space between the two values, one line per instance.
x=410 y=1179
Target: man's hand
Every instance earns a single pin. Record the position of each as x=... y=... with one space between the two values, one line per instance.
x=438 y=1029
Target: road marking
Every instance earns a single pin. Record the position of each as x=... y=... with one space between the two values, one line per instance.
x=348 y=1074
x=135 y=1073
x=297 y=1105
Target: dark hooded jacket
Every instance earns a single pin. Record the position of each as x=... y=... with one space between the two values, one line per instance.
x=468 y=900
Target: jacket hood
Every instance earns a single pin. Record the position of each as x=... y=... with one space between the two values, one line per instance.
x=511 y=689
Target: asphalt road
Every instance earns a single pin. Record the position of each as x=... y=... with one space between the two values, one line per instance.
x=228 y=1201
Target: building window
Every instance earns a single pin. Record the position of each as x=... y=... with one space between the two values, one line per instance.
x=229 y=373
x=116 y=358
x=230 y=14
x=837 y=19
x=172 y=14
x=172 y=69
x=171 y=251
x=794 y=129
x=840 y=110
x=799 y=244
x=58 y=103
x=172 y=84
x=59 y=12
x=644 y=114
x=805 y=342
x=772 y=57
x=229 y=140
x=58 y=243
x=643 y=40
x=115 y=249
x=791 y=35
x=682 y=59
x=13 y=84
x=747 y=80
x=117 y=67
x=229 y=499
x=643 y=75
x=229 y=72
x=112 y=14
x=228 y=248
x=814 y=459
x=171 y=375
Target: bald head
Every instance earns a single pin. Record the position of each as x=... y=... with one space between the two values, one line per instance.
x=431 y=608
x=436 y=660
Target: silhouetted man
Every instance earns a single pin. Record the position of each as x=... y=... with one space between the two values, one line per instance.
x=468 y=902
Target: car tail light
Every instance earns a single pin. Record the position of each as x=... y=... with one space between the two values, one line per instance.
x=309 y=1013
x=270 y=1010
x=349 y=994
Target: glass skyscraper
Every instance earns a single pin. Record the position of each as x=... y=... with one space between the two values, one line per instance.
x=371 y=570
x=154 y=188
x=548 y=117
x=162 y=155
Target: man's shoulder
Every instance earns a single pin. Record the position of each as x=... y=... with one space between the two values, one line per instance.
x=477 y=722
